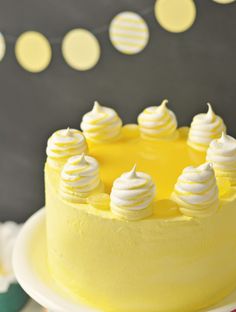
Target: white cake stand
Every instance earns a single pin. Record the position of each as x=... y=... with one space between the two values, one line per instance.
x=37 y=282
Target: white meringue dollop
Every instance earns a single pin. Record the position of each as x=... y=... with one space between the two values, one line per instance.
x=80 y=178
x=196 y=191
x=64 y=144
x=132 y=195
x=157 y=123
x=222 y=154
x=101 y=124
x=204 y=128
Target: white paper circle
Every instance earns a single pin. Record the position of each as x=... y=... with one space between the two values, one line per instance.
x=129 y=33
x=2 y=46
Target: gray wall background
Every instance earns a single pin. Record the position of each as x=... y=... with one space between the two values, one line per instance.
x=188 y=69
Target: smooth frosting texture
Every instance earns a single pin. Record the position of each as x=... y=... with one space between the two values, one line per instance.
x=222 y=154
x=196 y=191
x=117 y=265
x=64 y=144
x=204 y=128
x=101 y=124
x=80 y=178
x=132 y=194
x=157 y=122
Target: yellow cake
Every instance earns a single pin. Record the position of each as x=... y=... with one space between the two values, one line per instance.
x=137 y=220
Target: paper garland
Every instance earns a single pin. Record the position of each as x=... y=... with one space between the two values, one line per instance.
x=33 y=51
x=80 y=49
x=175 y=15
x=2 y=46
x=128 y=33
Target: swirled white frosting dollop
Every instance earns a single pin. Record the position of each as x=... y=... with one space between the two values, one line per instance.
x=101 y=124
x=204 y=128
x=64 y=144
x=222 y=154
x=80 y=178
x=157 y=122
x=132 y=195
x=196 y=191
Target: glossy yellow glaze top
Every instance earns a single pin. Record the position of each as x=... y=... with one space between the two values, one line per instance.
x=163 y=160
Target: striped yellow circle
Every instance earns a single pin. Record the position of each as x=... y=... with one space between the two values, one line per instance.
x=33 y=51
x=81 y=49
x=175 y=15
x=2 y=46
x=129 y=33
x=224 y=1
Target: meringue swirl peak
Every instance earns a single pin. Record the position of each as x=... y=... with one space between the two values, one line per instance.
x=222 y=154
x=101 y=124
x=196 y=191
x=205 y=128
x=63 y=144
x=210 y=114
x=132 y=195
x=97 y=108
x=80 y=178
x=158 y=123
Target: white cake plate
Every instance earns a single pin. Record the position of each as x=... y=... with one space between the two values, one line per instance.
x=30 y=251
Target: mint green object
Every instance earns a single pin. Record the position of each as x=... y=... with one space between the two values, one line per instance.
x=13 y=300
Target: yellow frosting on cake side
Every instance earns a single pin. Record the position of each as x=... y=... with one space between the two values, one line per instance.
x=167 y=262
x=156 y=264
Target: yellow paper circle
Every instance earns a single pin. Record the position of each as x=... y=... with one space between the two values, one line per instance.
x=33 y=51
x=224 y=1
x=175 y=15
x=2 y=46
x=80 y=49
x=129 y=33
